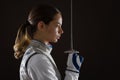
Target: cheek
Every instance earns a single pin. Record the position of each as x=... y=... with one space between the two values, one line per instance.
x=53 y=32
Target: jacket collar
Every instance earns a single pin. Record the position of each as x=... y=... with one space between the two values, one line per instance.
x=41 y=46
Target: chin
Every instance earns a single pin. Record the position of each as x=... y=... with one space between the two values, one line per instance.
x=55 y=41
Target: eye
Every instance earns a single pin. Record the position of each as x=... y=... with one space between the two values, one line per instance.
x=58 y=25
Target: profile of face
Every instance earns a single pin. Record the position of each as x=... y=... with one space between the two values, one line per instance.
x=51 y=32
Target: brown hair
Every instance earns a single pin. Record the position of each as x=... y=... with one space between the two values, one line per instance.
x=43 y=13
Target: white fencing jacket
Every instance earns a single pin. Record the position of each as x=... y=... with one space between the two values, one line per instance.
x=38 y=64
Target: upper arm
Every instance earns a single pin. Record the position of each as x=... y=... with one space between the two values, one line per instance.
x=40 y=68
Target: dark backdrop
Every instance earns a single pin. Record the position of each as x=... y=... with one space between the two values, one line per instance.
x=96 y=36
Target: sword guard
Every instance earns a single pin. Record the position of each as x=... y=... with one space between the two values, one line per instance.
x=71 y=51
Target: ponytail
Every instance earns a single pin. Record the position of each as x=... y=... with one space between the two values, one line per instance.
x=22 y=40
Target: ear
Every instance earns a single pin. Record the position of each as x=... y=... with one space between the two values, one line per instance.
x=41 y=25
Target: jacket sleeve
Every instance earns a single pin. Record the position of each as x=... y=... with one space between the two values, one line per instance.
x=40 y=68
x=71 y=75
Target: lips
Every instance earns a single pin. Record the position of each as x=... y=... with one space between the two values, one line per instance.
x=58 y=37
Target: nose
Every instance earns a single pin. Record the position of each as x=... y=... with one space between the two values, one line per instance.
x=61 y=31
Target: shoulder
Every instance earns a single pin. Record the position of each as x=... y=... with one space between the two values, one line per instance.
x=40 y=60
x=40 y=63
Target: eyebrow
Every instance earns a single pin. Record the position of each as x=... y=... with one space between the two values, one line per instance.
x=58 y=23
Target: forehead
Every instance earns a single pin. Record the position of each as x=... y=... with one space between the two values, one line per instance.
x=57 y=19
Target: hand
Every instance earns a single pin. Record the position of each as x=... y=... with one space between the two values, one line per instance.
x=74 y=62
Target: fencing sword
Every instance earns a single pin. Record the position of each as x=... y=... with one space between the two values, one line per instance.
x=71 y=33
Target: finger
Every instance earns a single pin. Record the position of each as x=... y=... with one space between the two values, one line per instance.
x=74 y=60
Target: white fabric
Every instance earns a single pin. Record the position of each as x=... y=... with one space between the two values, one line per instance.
x=41 y=66
x=74 y=62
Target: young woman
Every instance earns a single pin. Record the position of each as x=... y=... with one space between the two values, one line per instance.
x=33 y=45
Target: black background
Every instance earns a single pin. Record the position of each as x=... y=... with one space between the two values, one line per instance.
x=96 y=36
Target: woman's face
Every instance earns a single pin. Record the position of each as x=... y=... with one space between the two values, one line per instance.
x=54 y=30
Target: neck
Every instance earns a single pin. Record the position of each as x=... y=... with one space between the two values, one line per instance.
x=41 y=40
